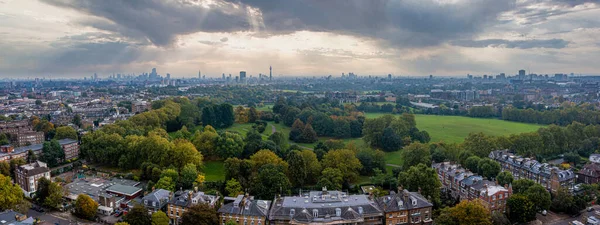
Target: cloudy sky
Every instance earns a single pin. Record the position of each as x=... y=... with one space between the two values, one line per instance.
x=74 y=38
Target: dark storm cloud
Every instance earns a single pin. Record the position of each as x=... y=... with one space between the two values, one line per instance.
x=521 y=44
x=157 y=20
x=406 y=23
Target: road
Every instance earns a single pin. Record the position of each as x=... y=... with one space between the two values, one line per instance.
x=562 y=219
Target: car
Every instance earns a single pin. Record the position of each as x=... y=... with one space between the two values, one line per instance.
x=544 y=212
x=589 y=209
x=119 y=213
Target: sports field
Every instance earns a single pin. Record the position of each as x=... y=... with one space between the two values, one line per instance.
x=454 y=129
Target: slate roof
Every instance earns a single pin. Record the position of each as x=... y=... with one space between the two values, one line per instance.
x=328 y=206
x=531 y=165
x=246 y=206
x=182 y=198
x=590 y=169
x=9 y=216
x=403 y=200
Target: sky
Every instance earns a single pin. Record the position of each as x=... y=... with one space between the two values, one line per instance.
x=76 y=38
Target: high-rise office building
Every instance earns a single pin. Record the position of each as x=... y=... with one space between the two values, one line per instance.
x=521 y=74
x=168 y=76
x=199 y=75
x=270 y=73
x=242 y=76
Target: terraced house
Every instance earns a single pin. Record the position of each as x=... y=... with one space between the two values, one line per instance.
x=183 y=200
x=245 y=210
x=405 y=207
x=463 y=184
x=551 y=177
x=325 y=207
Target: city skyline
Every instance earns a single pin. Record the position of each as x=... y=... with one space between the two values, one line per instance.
x=70 y=39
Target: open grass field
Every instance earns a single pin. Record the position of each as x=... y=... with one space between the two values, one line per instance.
x=214 y=170
x=454 y=129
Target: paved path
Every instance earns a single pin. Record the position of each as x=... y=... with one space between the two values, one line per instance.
x=273 y=129
x=393 y=165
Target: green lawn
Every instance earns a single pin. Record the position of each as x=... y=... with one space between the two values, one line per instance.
x=454 y=129
x=214 y=170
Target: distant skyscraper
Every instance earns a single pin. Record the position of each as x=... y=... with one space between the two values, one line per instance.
x=95 y=76
x=521 y=73
x=242 y=76
x=223 y=76
x=270 y=73
x=389 y=76
x=199 y=74
x=168 y=76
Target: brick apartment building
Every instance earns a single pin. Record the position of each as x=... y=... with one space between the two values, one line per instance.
x=27 y=176
x=463 y=184
x=551 y=177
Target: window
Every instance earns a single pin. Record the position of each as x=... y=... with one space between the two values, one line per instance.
x=315 y=213
x=338 y=212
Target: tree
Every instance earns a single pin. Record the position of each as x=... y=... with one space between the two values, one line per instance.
x=308 y=135
x=38 y=102
x=170 y=173
x=31 y=157
x=5 y=168
x=231 y=222
x=520 y=208
x=205 y=142
x=331 y=178
x=345 y=161
x=424 y=178
x=188 y=175
x=265 y=157
x=65 y=132
x=10 y=194
x=271 y=180
x=184 y=152
x=298 y=170
x=479 y=144
x=415 y=154
x=562 y=200
x=199 y=181
x=165 y=183
x=49 y=194
x=520 y=186
x=472 y=163
x=160 y=218
x=572 y=157
x=233 y=188
x=489 y=168
x=52 y=153
x=539 y=196
x=504 y=177
x=465 y=212
x=85 y=207
x=297 y=130
x=312 y=165
x=390 y=140
x=279 y=139
x=77 y=120
x=229 y=145
x=253 y=115
x=138 y=216
x=200 y=214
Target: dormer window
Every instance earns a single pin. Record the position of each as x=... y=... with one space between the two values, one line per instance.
x=292 y=212
x=360 y=210
x=315 y=213
x=338 y=212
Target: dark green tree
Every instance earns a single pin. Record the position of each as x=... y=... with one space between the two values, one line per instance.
x=200 y=214
x=390 y=140
x=138 y=216
x=520 y=209
x=424 y=178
